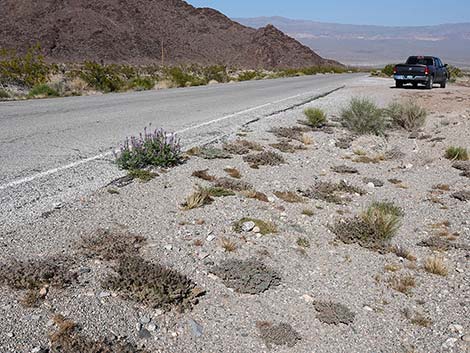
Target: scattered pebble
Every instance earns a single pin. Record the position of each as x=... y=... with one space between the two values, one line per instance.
x=196 y=328
x=145 y=319
x=144 y=333
x=248 y=226
x=450 y=343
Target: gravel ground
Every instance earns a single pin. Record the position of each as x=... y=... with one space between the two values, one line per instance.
x=285 y=315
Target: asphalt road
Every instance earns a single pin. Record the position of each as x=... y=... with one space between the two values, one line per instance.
x=41 y=140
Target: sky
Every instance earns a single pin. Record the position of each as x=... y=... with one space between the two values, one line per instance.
x=374 y=12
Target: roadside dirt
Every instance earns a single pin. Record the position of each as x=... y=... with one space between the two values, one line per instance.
x=280 y=280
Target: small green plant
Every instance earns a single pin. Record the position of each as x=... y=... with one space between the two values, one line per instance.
x=363 y=116
x=408 y=115
x=142 y=83
x=457 y=153
x=388 y=70
x=248 y=75
x=316 y=117
x=142 y=174
x=388 y=207
x=303 y=242
x=43 y=90
x=264 y=227
x=308 y=212
x=156 y=148
x=4 y=94
x=219 y=192
x=454 y=73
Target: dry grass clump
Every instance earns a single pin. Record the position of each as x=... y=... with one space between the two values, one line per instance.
x=332 y=192
x=142 y=175
x=35 y=274
x=417 y=318
x=464 y=166
x=316 y=117
x=151 y=284
x=253 y=194
x=67 y=339
x=242 y=147
x=198 y=198
x=402 y=252
x=308 y=212
x=303 y=242
x=217 y=191
x=246 y=276
x=388 y=207
x=228 y=245
x=289 y=196
x=277 y=334
x=203 y=174
x=111 y=244
x=286 y=147
x=441 y=244
x=373 y=228
x=264 y=159
x=435 y=265
x=363 y=116
x=344 y=169
x=233 y=172
x=402 y=283
x=408 y=115
x=231 y=184
x=375 y=159
x=265 y=227
x=333 y=313
x=457 y=153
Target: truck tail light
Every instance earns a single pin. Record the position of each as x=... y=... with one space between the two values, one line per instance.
x=395 y=70
x=426 y=71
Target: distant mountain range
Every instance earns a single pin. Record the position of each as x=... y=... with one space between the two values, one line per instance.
x=375 y=45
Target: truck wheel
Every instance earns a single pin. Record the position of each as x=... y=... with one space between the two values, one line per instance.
x=430 y=83
x=415 y=85
x=443 y=83
x=398 y=84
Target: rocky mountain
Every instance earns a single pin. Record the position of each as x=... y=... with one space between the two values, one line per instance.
x=375 y=45
x=142 y=31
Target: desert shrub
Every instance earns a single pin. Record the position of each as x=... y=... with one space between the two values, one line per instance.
x=246 y=276
x=219 y=192
x=203 y=174
x=388 y=69
x=333 y=313
x=387 y=207
x=286 y=147
x=291 y=133
x=150 y=284
x=103 y=78
x=332 y=192
x=233 y=184
x=242 y=147
x=37 y=273
x=408 y=115
x=435 y=265
x=457 y=153
x=363 y=116
x=29 y=69
x=155 y=148
x=200 y=197
x=182 y=78
x=316 y=117
x=233 y=172
x=215 y=73
x=373 y=229
x=142 y=174
x=142 y=83
x=289 y=196
x=264 y=159
x=208 y=153
x=248 y=75
x=4 y=94
x=454 y=73
x=404 y=283
x=43 y=90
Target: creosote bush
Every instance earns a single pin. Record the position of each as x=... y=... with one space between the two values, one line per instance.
x=363 y=116
x=457 y=153
x=43 y=90
x=151 y=284
x=151 y=148
x=407 y=115
x=316 y=117
x=104 y=78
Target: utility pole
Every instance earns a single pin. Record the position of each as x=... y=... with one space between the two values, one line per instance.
x=163 y=52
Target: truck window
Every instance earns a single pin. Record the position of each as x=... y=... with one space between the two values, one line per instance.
x=415 y=60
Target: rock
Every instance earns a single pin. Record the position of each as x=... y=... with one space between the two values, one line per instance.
x=466 y=338
x=196 y=328
x=450 y=343
x=256 y=230
x=104 y=294
x=144 y=334
x=307 y=298
x=202 y=255
x=152 y=327
x=43 y=292
x=248 y=226
x=371 y=185
x=168 y=247
x=210 y=237
x=57 y=206
x=145 y=319
x=367 y=308
x=409 y=166
x=454 y=328
x=10 y=334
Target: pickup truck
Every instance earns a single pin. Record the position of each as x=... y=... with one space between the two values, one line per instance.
x=426 y=70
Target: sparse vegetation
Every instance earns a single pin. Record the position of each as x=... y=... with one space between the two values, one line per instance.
x=246 y=276
x=363 y=116
x=4 y=94
x=332 y=192
x=308 y=212
x=277 y=334
x=264 y=227
x=303 y=242
x=289 y=196
x=217 y=191
x=142 y=174
x=435 y=265
x=417 y=318
x=408 y=115
x=200 y=197
x=333 y=313
x=152 y=148
x=151 y=284
x=316 y=117
x=388 y=70
x=208 y=153
x=286 y=147
x=253 y=194
x=233 y=184
x=403 y=252
x=204 y=175
x=104 y=78
x=43 y=91
x=233 y=172
x=402 y=283
x=242 y=147
x=290 y=133
x=264 y=159
x=373 y=229
x=228 y=245
x=457 y=153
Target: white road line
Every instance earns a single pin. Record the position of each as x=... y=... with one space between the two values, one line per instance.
x=104 y=155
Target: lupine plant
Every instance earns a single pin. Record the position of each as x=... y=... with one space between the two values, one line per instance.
x=151 y=148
